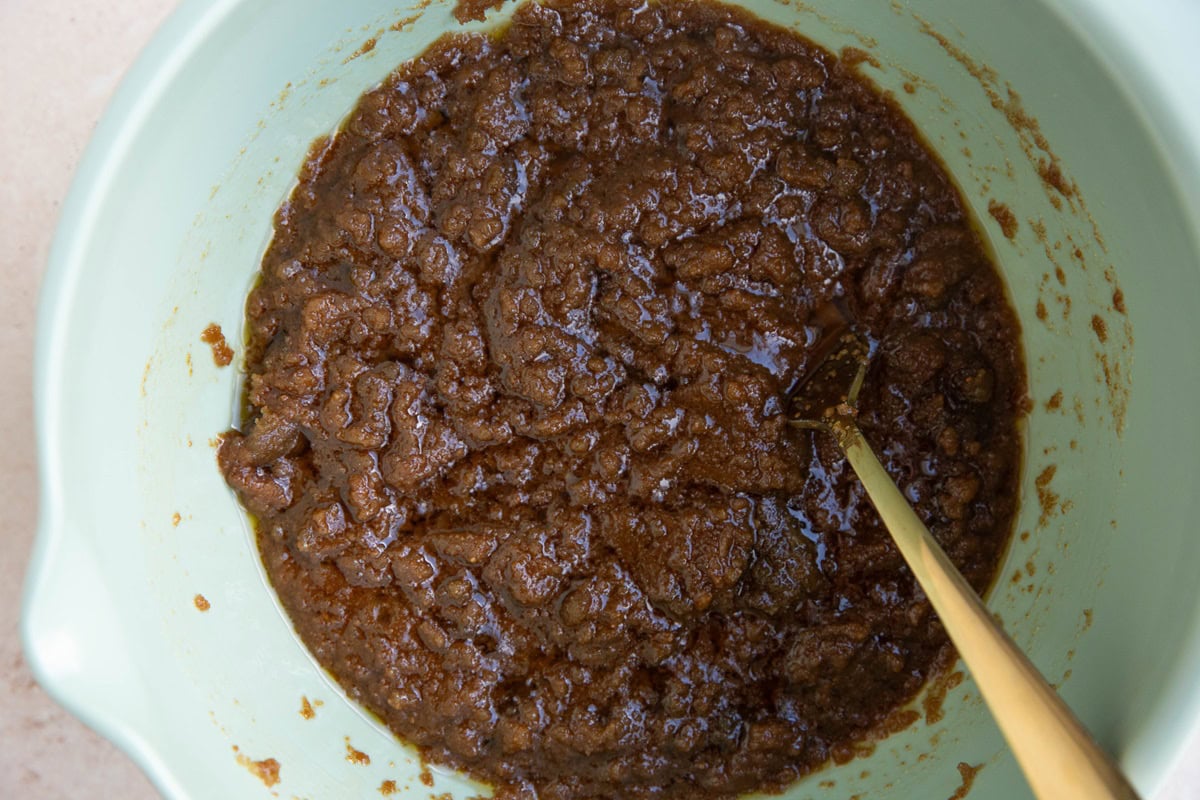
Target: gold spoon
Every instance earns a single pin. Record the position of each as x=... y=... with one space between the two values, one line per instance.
x=1060 y=759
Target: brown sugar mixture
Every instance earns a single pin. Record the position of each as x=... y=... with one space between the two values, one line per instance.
x=516 y=447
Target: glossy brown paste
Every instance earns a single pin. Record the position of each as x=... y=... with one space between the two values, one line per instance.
x=515 y=442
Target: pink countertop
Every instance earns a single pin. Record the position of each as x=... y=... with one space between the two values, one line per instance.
x=59 y=62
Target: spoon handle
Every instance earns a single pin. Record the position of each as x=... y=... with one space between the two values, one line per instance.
x=1060 y=759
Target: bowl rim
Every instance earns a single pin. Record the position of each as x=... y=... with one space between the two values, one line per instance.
x=139 y=90
x=1144 y=47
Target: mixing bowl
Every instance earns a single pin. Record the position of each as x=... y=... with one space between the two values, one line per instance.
x=1056 y=110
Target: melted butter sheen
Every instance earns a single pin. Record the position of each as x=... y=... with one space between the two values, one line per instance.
x=515 y=441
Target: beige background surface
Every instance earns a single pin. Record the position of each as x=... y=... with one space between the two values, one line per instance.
x=59 y=63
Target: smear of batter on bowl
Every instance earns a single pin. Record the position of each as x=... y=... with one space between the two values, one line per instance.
x=967 y=775
x=1100 y=327
x=1005 y=217
x=356 y=756
x=266 y=770
x=1047 y=497
x=467 y=10
x=935 y=696
x=222 y=353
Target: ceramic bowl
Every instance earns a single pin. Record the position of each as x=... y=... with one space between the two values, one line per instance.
x=1069 y=112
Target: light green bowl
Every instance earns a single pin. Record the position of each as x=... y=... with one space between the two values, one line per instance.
x=172 y=208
